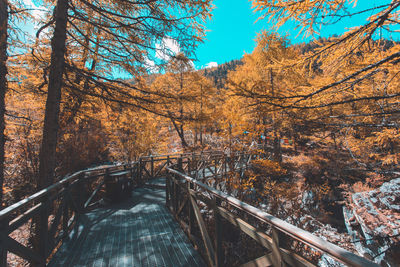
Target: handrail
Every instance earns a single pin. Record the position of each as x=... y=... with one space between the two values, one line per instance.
x=291 y=230
x=6 y=211
x=65 y=199
x=23 y=202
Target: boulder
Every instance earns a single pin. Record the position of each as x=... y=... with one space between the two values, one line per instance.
x=373 y=221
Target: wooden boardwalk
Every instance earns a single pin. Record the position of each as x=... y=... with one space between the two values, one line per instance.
x=138 y=232
x=143 y=232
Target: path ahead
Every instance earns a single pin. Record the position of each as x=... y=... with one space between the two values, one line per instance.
x=139 y=232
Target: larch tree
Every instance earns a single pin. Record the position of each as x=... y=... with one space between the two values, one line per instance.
x=353 y=78
x=3 y=85
x=341 y=51
x=8 y=11
x=267 y=74
x=186 y=96
x=118 y=36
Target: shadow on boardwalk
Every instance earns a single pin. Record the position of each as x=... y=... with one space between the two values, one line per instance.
x=138 y=232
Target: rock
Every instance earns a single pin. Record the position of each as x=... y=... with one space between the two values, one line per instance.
x=373 y=221
x=308 y=198
x=327 y=261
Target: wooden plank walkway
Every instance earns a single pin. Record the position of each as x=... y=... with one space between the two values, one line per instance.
x=139 y=232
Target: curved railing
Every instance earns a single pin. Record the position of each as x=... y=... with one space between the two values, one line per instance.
x=185 y=190
x=190 y=179
x=55 y=209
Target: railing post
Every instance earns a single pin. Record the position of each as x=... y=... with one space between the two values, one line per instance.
x=131 y=171
x=193 y=162
x=180 y=164
x=139 y=171
x=167 y=189
x=204 y=168
x=44 y=229
x=152 y=167
x=189 y=169
x=81 y=190
x=219 y=254
x=175 y=196
x=3 y=243
x=65 y=211
x=278 y=241
x=191 y=212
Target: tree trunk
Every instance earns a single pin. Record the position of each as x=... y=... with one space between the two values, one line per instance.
x=3 y=86
x=277 y=144
x=181 y=134
x=201 y=135
x=47 y=155
x=196 y=134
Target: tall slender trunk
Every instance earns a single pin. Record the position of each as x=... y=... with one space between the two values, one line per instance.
x=277 y=143
x=181 y=133
x=3 y=86
x=201 y=113
x=201 y=135
x=47 y=155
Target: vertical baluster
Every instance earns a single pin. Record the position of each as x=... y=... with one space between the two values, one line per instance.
x=3 y=245
x=139 y=171
x=81 y=190
x=175 y=186
x=278 y=241
x=219 y=253
x=193 y=162
x=152 y=167
x=167 y=190
x=44 y=229
x=180 y=164
x=191 y=212
x=65 y=210
x=132 y=166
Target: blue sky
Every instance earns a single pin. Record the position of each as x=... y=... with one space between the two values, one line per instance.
x=233 y=29
x=231 y=32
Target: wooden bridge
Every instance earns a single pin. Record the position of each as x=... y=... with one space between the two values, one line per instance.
x=176 y=215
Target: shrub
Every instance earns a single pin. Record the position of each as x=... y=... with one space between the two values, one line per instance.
x=268 y=168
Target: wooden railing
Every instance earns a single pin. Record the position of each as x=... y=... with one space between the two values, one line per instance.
x=188 y=193
x=54 y=210
x=192 y=179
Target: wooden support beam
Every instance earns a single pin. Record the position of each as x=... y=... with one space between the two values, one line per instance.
x=160 y=169
x=259 y=236
x=219 y=253
x=65 y=211
x=190 y=211
x=139 y=174
x=152 y=167
x=276 y=253
x=43 y=229
x=24 y=217
x=185 y=200
x=203 y=231
x=24 y=252
x=167 y=190
x=54 y=227
x=3 y=243
x=93 y=194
